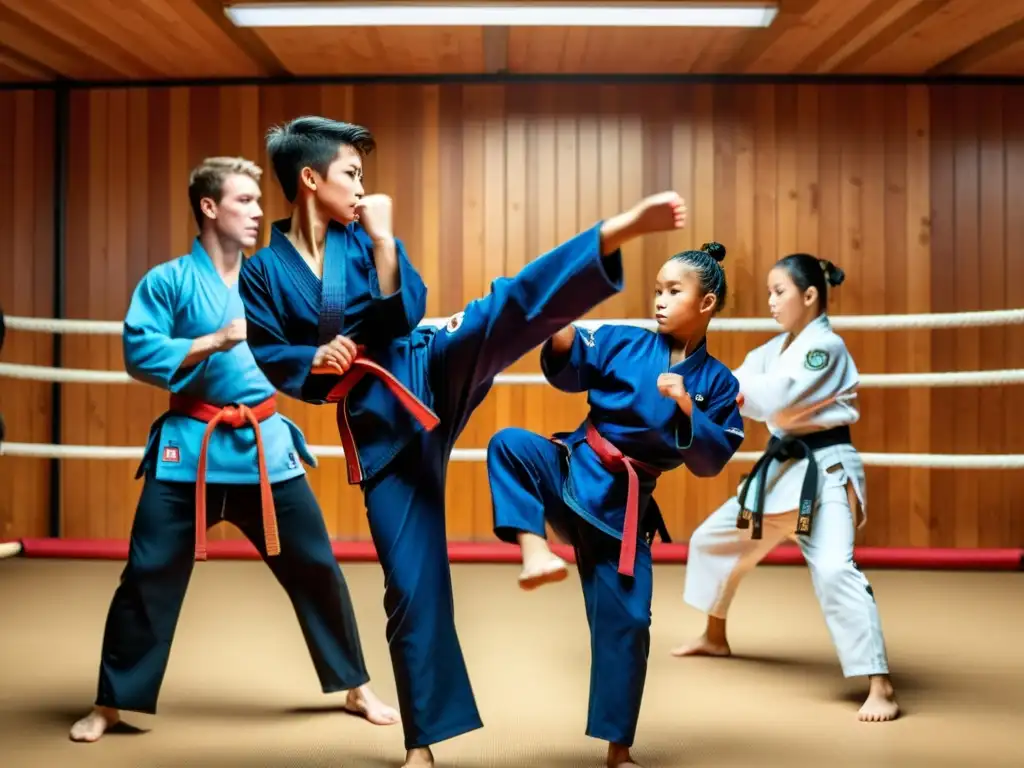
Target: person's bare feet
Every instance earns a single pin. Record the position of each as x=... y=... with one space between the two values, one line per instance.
x=712 y=643
x=702 y=646
x=420 y=757
x=363 y=701
x=91 y=727
x=663 y=212
x=540 y=565
x=537 y=573
x=619 y=757
x=880 y=706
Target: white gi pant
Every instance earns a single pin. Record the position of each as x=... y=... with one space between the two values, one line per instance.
x=721 y=554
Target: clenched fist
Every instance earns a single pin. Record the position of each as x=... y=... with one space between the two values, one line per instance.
x=338 y=353
x=374 y=213
x=671 y=385
x=231 y=334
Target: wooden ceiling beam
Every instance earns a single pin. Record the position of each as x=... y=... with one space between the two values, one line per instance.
x=25 y=66
x=891 y=35
x=870 y=21
x=976 y=53
x=496 y=50
x=791 y=12
x=34 y=41
x=246 y=39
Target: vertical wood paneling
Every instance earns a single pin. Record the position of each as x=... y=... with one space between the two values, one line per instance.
x=943 y=287
x=26 y=288
x=1013 y=296
x=907 y=188
x=918 y=344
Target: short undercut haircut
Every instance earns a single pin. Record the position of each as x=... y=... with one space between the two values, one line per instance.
x=311 y=142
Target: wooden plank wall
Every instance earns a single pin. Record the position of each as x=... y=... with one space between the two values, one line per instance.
x=906 y=187
x=26 y=288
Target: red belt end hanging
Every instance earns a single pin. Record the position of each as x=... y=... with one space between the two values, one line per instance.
x=627 y=552
x=626 y=561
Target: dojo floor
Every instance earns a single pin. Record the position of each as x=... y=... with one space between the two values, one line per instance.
x=240 y=690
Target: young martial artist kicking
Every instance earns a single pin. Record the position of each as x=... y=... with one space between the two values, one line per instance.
x=658 y=401
x=803 y=385
x=221 y=444
x=403 y=404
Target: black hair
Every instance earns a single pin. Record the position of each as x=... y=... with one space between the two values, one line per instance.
x=806 y=270
x=707 y=263
x=314 y=142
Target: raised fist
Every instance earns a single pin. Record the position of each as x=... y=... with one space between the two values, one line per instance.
x=374 y=213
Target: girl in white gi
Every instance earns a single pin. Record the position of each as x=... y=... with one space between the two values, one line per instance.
x=803 y=385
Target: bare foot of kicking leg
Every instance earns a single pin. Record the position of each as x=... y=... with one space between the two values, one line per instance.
x=364 y=702
x=540 y=565
x=881 y=703
x=619 y=757
x=95 y=724
x=711 y=643
x=421 y=757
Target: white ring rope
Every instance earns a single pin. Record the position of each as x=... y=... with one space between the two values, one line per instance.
x=871 y=380
x=951 y=320
x=850 y=322
x=926 y=460
x=928 y=321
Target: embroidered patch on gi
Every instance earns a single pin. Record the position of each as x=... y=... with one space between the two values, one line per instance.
x=454 y=322
x=816 y=359
x=738 y=432
x=587 y=337
x=698 y=398
x=293 y=460
x=171 y=454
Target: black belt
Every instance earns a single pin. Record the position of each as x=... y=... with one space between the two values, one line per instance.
x=653 y=524
x=784 y=449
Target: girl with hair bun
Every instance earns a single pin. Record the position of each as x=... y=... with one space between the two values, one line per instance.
x=809 y=484
x=658 y=401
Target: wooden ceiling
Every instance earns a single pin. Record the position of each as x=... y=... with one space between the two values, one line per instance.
x=153 y=40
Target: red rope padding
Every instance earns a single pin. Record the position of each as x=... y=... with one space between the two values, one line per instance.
x=497 y=552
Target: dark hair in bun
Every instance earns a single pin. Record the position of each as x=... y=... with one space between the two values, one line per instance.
x=715 y=250
x=707 y=263
x=806 y=270
x=833 y=274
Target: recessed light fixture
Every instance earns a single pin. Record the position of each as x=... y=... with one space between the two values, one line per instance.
x=454 y=14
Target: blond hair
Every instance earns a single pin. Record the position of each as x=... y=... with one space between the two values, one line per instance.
x=207 y=180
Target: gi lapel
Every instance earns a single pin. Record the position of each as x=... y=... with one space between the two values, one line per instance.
x=332 y=307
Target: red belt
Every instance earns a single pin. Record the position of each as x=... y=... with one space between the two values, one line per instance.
x=615 y=461
x=235 y=417
x=360 y=367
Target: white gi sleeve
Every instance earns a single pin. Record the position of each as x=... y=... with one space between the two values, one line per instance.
x=819 y=373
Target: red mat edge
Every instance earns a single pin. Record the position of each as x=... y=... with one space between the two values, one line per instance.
x=497 y=552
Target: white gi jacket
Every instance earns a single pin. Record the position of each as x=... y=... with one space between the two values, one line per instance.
x=809 y=386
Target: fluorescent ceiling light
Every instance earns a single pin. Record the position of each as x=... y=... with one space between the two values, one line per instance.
x=504 y=15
